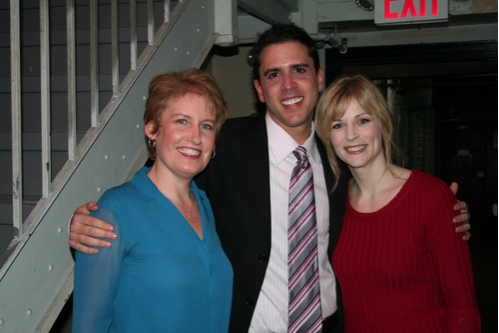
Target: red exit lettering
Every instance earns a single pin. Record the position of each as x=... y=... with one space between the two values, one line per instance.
x=409 y=9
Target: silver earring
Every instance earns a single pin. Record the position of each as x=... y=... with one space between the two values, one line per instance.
x=213 y=154
x=151 y=143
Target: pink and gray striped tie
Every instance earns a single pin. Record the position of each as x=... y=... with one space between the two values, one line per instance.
x=304 y=289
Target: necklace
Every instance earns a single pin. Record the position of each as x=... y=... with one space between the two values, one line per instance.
x=190 y=211
x=193 y=199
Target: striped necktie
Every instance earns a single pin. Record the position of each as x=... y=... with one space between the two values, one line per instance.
x=304 y=289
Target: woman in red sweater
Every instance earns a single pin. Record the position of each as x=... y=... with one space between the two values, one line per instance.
x=400 y=265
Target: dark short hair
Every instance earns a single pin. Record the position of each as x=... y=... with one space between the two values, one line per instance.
x=281 y=33
x=168 y=87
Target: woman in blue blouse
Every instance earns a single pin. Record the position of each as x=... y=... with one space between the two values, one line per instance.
x=166 y=271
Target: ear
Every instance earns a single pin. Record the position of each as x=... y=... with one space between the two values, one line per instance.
x=148 y=130
x=258 y=88
x=320 y=79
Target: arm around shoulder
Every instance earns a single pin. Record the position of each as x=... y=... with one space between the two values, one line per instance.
x=84 y=230
x=95 y=283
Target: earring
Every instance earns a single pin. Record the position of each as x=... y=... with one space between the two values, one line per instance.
x=213 y=154
x=151 y=143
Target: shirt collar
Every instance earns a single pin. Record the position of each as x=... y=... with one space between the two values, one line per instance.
x=281 y=144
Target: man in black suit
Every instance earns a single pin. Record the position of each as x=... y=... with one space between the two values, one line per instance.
x=246 y=186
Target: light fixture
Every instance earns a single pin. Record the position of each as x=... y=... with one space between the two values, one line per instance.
x=328 y=38
x=366 y=5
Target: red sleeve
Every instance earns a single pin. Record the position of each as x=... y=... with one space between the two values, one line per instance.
x=451 y=259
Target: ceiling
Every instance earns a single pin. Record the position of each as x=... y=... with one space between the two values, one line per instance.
x=471 y=29
x=468 y=20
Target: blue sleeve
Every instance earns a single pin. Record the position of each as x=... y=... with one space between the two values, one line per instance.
x=96 y=281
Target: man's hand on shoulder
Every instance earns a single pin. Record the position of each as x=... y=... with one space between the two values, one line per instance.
x=464 y=217
x=84 y=230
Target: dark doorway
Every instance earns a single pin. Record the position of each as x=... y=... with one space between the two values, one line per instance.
x=451 y=90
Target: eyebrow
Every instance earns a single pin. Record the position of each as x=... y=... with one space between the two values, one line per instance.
x=362 y=114
x=279 y=69
x=356 y=116
x=300 y=65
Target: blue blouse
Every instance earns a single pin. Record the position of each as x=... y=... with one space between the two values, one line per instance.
x=158 y=276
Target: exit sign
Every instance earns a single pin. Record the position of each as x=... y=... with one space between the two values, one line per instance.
x=410 y=11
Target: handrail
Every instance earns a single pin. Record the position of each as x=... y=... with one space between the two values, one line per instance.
x=146 y=8
x=36 y=277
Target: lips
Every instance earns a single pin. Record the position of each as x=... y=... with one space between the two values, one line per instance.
x=291 y=101
x=356 y=149
x=189 y=152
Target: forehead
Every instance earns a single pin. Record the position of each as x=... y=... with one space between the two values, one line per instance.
x=284 y=54
x=348 y=107
x=190 y=103
x=354 y=107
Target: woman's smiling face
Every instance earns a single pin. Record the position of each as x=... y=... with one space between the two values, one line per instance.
x=356 y=137
x=185 y=139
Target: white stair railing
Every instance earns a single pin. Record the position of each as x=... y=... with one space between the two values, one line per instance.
x=147 y=8
x=36 y=278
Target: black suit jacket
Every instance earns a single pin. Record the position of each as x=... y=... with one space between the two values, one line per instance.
x=237 y=184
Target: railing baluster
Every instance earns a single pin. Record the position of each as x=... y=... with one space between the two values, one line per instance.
x=115 y=59
x=150 y=22
x=70 y=22
x=45 y=83
x=94 y=63
x=167 y=10
x=133 y=34
x=45 y=98
x=17 y=166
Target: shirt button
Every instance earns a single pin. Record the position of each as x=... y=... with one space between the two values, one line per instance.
x=250 y=300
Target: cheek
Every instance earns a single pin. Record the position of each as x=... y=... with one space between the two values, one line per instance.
x=337 y=151
x=334 y=139
x=269 y=91
x=335 y=143
x=165 y=138
x=209 y=141
x=376 y=135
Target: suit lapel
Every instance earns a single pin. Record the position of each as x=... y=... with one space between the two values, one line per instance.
x=257 y=166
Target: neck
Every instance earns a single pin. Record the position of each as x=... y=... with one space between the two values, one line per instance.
x=369 y=192
x=300 y=133
x=174 y=188
x=373 y=178
x=300 y=137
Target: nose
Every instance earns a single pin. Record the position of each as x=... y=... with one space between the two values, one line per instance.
x=351 y=133
x=288 y=81
x=195 y=135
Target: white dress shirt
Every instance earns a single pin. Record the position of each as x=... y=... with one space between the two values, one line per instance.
x=271 y=312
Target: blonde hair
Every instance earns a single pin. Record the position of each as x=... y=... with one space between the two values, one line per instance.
x=335 y=101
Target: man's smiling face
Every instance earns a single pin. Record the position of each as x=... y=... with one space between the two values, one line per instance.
x=289 y=85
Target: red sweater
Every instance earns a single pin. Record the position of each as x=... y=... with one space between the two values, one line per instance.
x=403 y=268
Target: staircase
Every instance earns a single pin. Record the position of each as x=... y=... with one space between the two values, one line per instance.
x=88 y=111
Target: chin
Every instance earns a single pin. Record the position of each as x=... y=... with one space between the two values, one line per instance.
x=355 y=164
